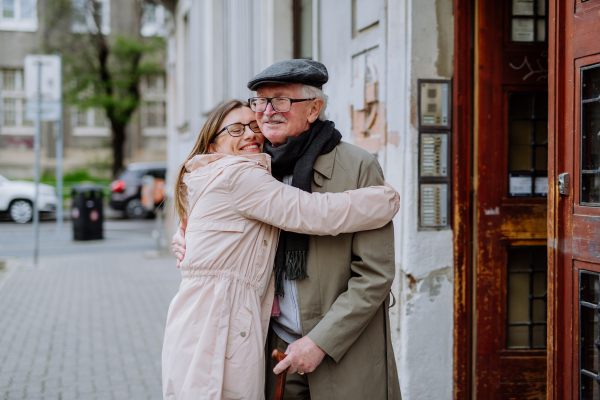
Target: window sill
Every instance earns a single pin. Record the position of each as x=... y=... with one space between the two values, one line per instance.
x=17 y=130
x=91 y=131
x=19 y=26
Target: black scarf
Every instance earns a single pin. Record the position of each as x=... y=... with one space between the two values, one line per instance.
x=297 y=157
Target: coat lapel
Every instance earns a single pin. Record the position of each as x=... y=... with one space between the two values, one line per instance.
x=324 y=167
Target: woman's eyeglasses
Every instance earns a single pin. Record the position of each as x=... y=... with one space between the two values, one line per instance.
x=237 y=129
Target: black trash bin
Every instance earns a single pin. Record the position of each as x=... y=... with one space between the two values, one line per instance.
x=86 y=212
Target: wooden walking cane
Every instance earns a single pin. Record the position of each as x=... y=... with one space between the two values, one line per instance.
x=277 y=356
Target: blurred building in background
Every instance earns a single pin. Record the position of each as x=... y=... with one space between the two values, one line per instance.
x=23 y=24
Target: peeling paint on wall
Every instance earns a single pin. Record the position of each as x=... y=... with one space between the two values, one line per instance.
x=393 y=138
x=367 y=112
x=430 y=286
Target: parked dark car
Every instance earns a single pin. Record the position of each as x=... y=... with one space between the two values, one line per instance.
x=126 y=190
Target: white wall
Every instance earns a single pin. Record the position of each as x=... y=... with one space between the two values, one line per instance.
x=425 y=273
x=404 y=45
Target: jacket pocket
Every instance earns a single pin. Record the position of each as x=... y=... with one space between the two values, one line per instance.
x=239 y=330
x=215 y=225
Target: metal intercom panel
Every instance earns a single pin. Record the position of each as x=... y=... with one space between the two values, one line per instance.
x=434 y=154
x=434 y=204
x=434 y=105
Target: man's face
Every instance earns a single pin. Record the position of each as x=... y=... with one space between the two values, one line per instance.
x=277 y=127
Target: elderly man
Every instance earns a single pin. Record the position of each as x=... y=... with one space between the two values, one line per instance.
x=333 y=292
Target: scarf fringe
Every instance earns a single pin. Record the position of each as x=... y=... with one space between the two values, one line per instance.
x=295 y=264
x=295 y=268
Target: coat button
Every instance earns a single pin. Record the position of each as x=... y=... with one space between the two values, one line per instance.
x=265 y=242
x=243 y=334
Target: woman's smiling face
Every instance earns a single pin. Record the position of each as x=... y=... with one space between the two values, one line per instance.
x=249 y=142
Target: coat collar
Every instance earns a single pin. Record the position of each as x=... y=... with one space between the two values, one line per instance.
x=324 y=163
x=203 y=160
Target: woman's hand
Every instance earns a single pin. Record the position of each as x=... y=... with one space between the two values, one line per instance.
x=179 y=242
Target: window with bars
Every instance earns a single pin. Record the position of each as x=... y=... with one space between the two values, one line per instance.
x=153 y=114
x=18 y=15
x=24 y=120
x=83 y=16
x=153 y=20
x=12 y=116
x=589 y=340
x=82 y=117
x=529 y=21
x=153 y=105
x=303 y=29
x=89 y=122
x=100 y=118
x=526 y=289
x=153 y=84
x=9 y=112
x=9 y=80
x=528 y=143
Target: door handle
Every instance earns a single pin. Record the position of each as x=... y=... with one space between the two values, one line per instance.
x=563 y=184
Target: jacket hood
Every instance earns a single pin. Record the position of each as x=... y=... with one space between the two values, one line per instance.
x=203 y=169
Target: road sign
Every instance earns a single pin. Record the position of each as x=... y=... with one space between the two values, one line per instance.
x=50 y=110
x=49 y=87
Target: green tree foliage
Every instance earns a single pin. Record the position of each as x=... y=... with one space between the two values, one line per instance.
x=103 y=70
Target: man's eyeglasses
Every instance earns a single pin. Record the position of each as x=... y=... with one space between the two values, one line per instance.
x=238 y=128
x=280 y=104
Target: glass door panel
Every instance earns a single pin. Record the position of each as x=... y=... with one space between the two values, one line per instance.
x=590 y=135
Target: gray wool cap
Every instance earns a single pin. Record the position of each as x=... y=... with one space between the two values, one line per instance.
x=307 y=72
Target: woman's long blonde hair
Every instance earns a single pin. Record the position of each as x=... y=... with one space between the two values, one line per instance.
x=205 y=138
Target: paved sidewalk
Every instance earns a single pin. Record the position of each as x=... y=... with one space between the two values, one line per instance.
x=85 y=326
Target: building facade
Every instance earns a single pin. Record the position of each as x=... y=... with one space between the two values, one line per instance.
x=485 y=117
x=86 y=132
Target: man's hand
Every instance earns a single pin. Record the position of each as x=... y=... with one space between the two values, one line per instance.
x=179 y=242
x=303 y=355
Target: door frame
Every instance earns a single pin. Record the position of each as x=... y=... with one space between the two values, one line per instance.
x=560 y=96
x=462 y=153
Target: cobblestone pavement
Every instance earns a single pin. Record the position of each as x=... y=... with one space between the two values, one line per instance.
x=88 y=322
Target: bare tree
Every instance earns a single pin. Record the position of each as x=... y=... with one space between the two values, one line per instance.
x=101 y=70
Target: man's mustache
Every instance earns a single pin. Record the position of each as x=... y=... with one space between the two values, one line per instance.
x=273 y=118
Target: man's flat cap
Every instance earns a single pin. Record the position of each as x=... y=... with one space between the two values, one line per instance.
x=307 y=72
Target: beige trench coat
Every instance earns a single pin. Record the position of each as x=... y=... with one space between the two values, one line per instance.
x=218 y=321
x=345 y=299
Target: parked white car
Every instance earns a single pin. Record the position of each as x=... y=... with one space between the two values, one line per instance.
x=16 y=199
